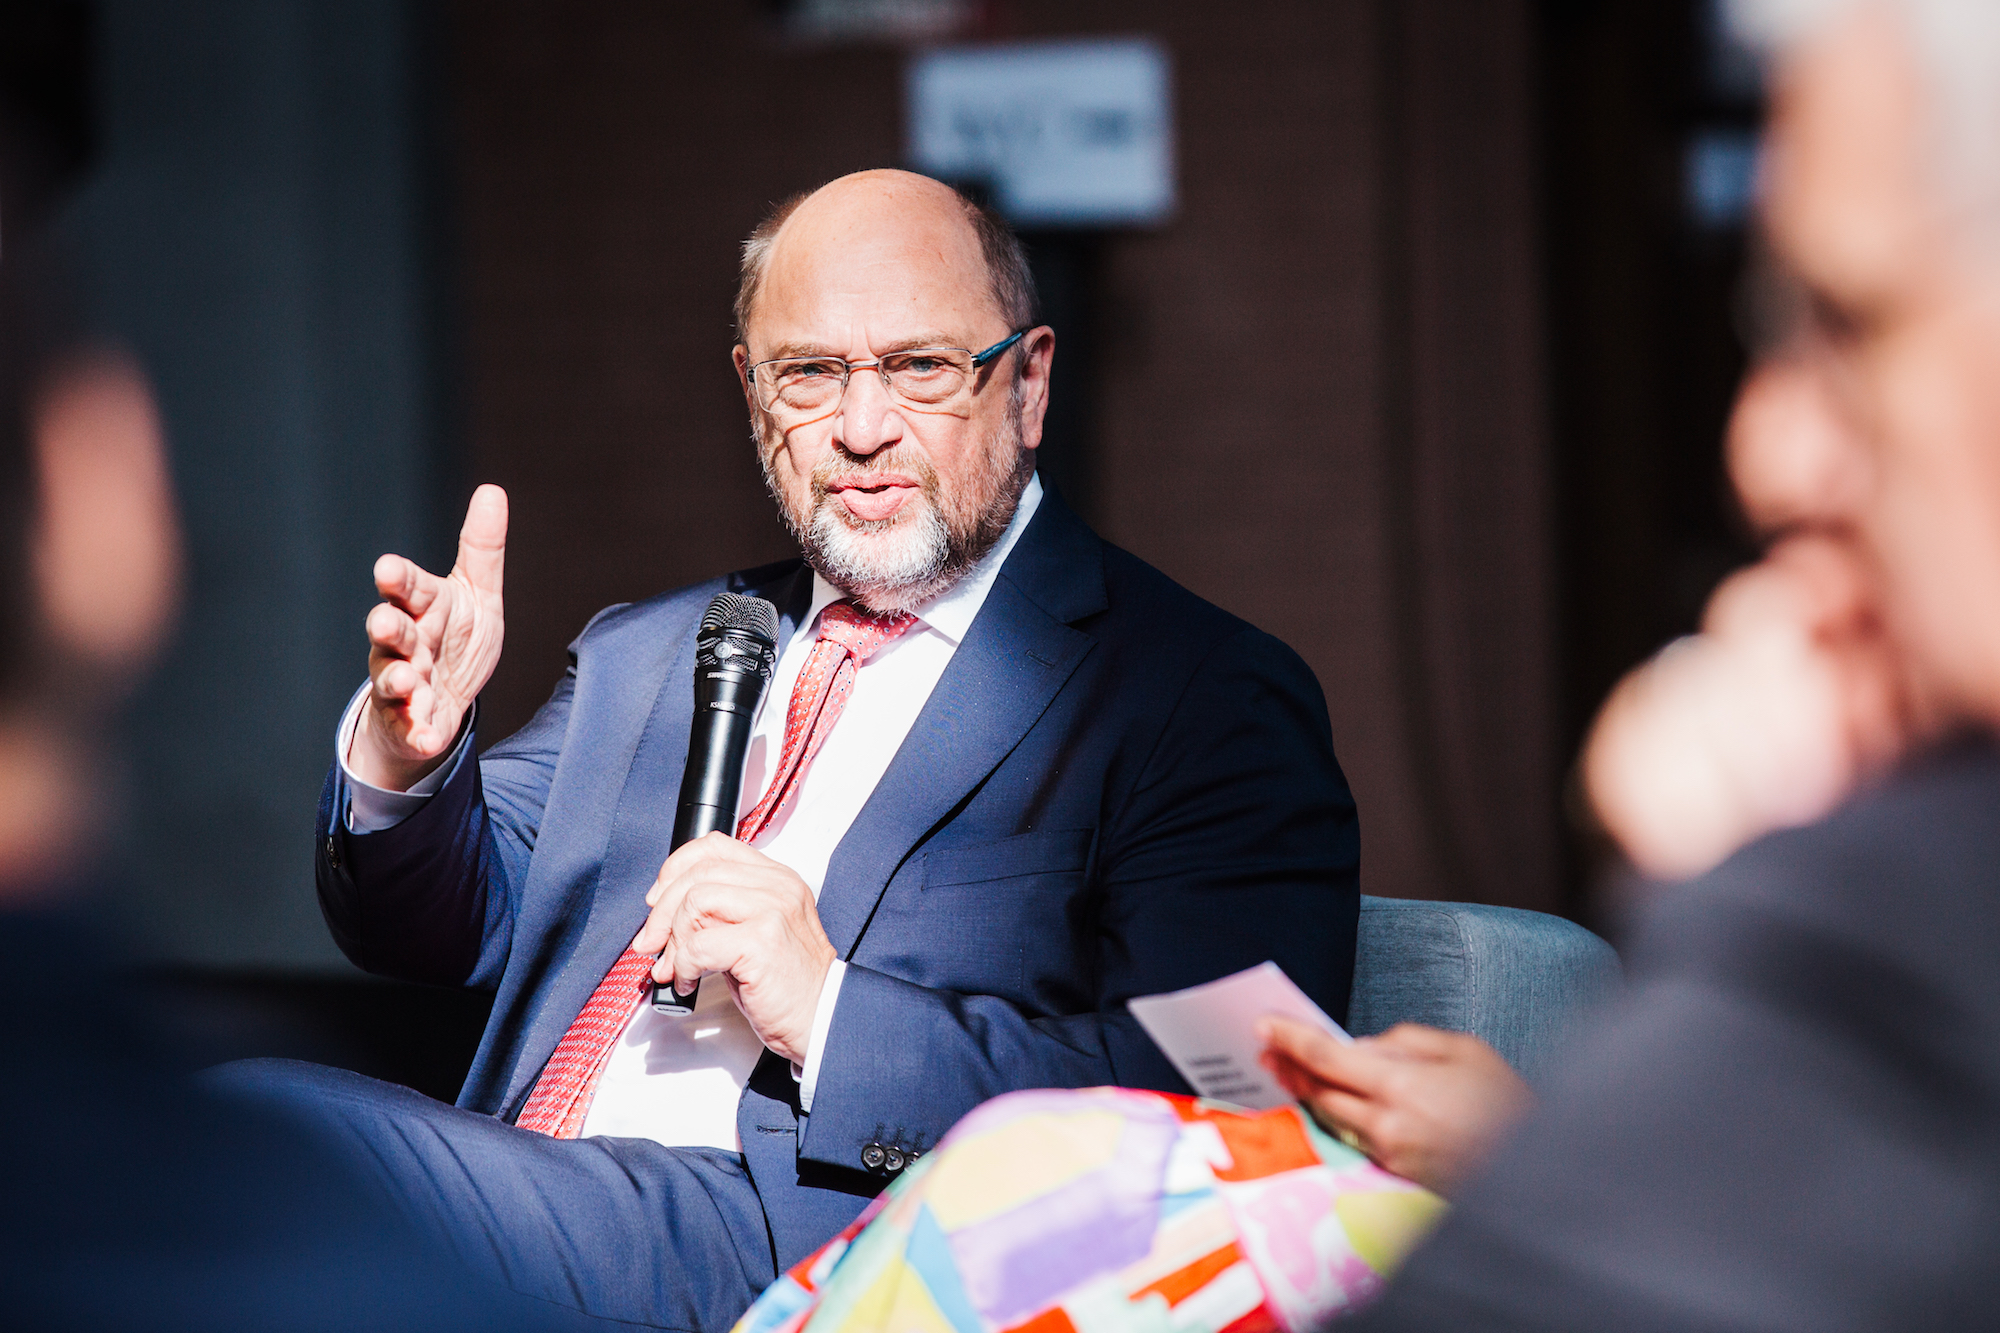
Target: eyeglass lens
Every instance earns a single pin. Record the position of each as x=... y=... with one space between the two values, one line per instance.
x=927 y=376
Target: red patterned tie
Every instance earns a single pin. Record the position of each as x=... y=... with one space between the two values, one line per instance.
x=847 y=638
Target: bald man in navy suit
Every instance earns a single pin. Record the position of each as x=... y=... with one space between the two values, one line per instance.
x=1058 y=780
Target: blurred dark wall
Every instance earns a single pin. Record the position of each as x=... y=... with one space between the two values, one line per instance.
x=1317 y=392
x=1645 y=350
x=1426 y=376
x=257 y=229
x=1643 y=295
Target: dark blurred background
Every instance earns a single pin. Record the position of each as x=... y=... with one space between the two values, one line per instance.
x=1424 y=371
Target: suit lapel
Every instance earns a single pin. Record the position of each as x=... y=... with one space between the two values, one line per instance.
x=637 y=838
x=608 y=923
x=1010 y=667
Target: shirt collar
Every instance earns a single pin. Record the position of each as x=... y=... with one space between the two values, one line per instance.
x=950 y=614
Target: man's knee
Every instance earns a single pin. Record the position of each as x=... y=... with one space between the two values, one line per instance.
x=284 y=1082
x=317 y=1094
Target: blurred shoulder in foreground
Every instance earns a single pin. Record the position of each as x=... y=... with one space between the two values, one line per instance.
x=1794 y=1120
x=129 y=1197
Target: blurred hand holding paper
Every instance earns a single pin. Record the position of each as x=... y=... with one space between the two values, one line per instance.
x=1210 y=1032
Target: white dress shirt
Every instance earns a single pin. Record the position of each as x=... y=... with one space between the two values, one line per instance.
x=678 y=1080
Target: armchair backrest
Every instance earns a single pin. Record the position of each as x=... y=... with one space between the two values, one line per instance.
x=1515 y=978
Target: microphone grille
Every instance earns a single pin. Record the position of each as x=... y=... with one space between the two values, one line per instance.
x=731 y=611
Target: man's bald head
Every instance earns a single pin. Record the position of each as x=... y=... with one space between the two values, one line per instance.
x=891 y=212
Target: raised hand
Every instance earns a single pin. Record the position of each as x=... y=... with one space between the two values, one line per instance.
x=1785 y=702
x=1792 y=695
x=432 y=646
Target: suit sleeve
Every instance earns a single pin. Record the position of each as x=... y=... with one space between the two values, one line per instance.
x=1236 y=844
x=433 y=899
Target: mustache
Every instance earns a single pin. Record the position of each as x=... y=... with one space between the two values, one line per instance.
x=839 y=472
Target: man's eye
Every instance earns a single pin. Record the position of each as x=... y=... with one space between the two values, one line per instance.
x=1839 y=322
x=805 y=370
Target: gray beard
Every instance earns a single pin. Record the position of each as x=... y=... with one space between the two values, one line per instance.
x=928 y=552
x=849 y=554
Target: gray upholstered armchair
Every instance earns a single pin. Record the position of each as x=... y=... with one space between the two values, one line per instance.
x=1516 y=979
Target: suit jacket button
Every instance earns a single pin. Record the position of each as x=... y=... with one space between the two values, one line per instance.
x=873 y=1156
x=892 y=1161
x=333 y=850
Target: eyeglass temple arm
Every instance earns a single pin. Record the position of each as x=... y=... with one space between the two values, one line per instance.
x=981 y=358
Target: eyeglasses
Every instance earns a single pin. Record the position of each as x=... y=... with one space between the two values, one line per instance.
x=1780 y=317
x=791 y=386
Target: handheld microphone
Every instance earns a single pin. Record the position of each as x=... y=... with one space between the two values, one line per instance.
x=735 y=652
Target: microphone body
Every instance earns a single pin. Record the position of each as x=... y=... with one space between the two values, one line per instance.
x=735 y=654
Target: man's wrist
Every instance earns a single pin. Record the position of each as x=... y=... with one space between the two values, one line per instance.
x=366 y=758
x=808 y=1070
x=364 y=807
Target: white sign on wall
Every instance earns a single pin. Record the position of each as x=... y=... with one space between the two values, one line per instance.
x=1066 y=133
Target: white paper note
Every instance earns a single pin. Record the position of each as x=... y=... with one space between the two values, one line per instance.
x=1210 y=1032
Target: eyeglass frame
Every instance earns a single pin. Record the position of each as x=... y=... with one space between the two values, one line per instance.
x=980 y=360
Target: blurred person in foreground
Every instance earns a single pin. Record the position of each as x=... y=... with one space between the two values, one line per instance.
x=1792 y=1121
x=129 y=1197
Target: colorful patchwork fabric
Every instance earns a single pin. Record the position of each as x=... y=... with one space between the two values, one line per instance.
x=1111 y=1211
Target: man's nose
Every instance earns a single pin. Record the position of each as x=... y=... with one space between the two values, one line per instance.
x=1793 y=458
x=868 y=419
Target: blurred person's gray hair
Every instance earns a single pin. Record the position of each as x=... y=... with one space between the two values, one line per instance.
x=1013 y=284
x=1956 y=47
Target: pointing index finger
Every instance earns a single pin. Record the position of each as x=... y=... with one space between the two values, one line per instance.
x=482 y=542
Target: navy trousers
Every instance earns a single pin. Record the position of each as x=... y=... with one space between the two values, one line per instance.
x=622 y=1230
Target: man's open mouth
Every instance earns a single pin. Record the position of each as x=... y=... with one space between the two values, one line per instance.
x=872 y=499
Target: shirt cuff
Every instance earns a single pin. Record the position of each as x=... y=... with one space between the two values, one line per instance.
x=366 y=808
x=829 y=995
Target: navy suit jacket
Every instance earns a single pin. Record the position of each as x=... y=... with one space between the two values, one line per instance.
x=1115 y=789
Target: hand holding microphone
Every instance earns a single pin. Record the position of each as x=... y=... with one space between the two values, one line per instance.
x=721 y=907
x=736 y=651
x=724 y=910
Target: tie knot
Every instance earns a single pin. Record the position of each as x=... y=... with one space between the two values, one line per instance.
x=860 y=633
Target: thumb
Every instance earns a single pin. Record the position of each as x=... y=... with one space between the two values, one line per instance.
x=482 y=542
x=1415 y=1039
x=1295 y=1040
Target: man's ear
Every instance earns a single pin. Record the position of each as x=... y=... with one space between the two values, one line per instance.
x=1038 y=355
x=741 y=356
